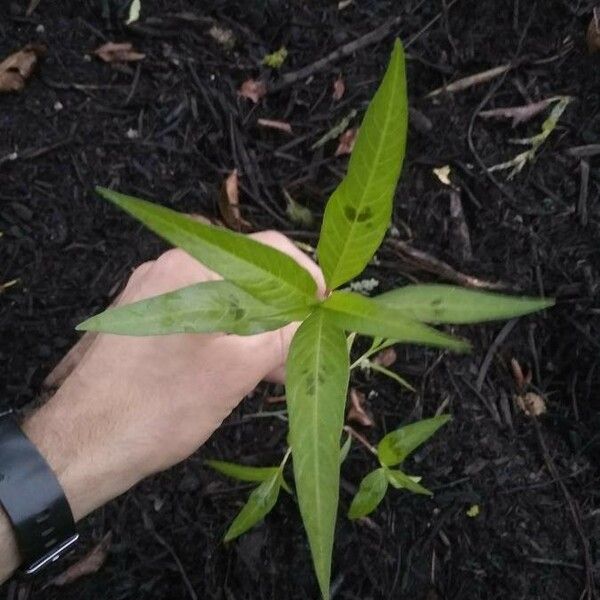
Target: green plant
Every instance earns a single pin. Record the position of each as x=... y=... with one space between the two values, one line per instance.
x=265 y=289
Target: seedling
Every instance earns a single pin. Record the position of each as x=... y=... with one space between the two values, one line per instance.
x=264 y=289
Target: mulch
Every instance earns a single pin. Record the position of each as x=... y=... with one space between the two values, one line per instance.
x=171 y=128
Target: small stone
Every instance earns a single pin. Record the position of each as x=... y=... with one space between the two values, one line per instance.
x=40 y=29
x=132 y=134
x=58 y=106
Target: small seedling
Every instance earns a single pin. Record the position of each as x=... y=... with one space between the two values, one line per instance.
x=264 y=289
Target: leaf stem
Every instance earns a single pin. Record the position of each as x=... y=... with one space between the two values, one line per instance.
x=360 y=438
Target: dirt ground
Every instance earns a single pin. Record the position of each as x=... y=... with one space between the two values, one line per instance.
x=171 y=127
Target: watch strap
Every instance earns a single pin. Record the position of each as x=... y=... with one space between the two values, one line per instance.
x=33 y=500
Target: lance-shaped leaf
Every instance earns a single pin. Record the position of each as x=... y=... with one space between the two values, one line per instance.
x=359 y=210
x=438 y=303
x=370 y=493
x=397 y=445
x=262 y=271
x=260 y=503
x=247 y=473
x=401 y=480
x=316 y=383
x=355 y=312
x=200 y=308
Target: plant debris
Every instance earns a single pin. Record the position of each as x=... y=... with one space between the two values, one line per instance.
x=386 y=358
x=592 y=37
x=339 y=88
x=272 y=124
x=18 y=67
x=275 y=59
x=253 y=89
x=357 y=412
x=335 y=131
x=229 y=204
x=223 y=36
x=467 y=82
x=113 y=52
x=296 y=212
x=346 y=142
x=519 y=114
x=532 y=404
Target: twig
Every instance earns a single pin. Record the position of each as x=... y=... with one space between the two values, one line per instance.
x=360 y=439
x=428 y=25
x=467 y=82
x=589 y=590
x=423 y=261
x=584 y=167
x=346 y=50
x=487 y=361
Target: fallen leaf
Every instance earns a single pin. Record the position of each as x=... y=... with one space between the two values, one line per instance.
x=519 y=114
x=593 y=32
x=357 y=413
x=18 y=67
x=346 y=143
x=253 y=90
x=473 y=511
x=339 y=88
x=113 y=52
x=296 y=212
x=229 y=204
x=275 y=59
x=466 y=82
x=443 y=174
x=521 y=380
x=280 y=125
x=223 y=36
x=89 y=564
x=531 y=404
x=134 y=11
x=386 y=358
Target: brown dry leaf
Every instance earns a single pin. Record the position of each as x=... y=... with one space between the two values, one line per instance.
x=89 y=564
x=386 y=358
x=593 y=32
x=112 y=52
x=519 y=114
x=279 y=125
x=253 y=90
x=521 y=380
x=357 y=413
x=229 y=203
x=346 y=142
x=339 y=88
x=531 y=404
x=18 y=67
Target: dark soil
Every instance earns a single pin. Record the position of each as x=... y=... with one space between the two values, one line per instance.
x=71 y=252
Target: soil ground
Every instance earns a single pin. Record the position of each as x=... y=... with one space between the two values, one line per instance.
x=535 y=537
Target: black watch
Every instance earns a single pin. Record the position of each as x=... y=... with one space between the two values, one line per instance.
x=33 y=500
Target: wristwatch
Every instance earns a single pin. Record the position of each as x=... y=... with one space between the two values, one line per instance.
x=33 y=500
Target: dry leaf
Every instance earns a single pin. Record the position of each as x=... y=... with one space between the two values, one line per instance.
x=229 y=204
x=18 y=67
x=346 y=143
x=339 y=88
x=280 y=125
x=222 y=36
x=386 y=358
x=443 y=174
x=112 y=52
x=531 y=404
x=357 y=413
x=522 y=380
x=253 y=90
x=89 y=564
x=593 y=32
x=519 y=114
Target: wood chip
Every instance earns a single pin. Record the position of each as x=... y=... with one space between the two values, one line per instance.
x=357 y=413
x=467 y=82
x=229 y=203
x=89 y=564
x=113 y=52
x=346 y=142
x=253 y=89
x=18 y=67
x=279 y=125
x=339 y=88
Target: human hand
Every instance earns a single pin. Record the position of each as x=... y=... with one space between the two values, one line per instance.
x=131 y=406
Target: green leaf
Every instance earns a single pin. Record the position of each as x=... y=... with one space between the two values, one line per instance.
x=359 y=210
x=355 y=312
x=276 y=59
x=370 y=493
x=401 y=480
x=242 y=472
x=262 y=271
x=316 y=385
x=397 y=445
x=200 y=308
x=260 y=503
x=437 y=303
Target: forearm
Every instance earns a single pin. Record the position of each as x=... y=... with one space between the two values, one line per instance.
x=9 y=555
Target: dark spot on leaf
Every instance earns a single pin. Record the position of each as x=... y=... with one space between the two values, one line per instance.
x=350 y=213
x=364 y=215
x=436 y=302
